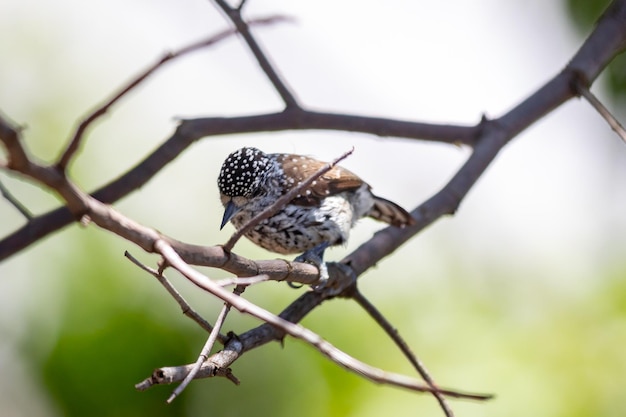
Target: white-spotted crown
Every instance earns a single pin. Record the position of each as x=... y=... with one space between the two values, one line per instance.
x=243 y=172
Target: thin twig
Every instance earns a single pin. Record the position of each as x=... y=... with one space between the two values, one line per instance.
x=402 y=345
x=602 y=110
x=241 y=4
x=206 y=349
x=234 y=14
x=184 y=305
x=282 y=201
x=15 y=202
x=10 y=136
x=170 y=374
x=243 y=281
x=78 y=135
x=339 y=357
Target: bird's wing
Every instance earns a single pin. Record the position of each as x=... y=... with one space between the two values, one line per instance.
x=335 y=181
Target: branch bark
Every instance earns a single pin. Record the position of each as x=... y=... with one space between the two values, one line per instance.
x=487 y=138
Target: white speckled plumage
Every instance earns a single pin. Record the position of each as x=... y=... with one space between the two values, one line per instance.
x=251 y=180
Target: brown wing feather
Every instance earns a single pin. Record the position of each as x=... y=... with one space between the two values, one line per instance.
x=336 y=181
x=332 y=182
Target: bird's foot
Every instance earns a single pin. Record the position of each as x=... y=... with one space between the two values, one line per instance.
x=315 y=256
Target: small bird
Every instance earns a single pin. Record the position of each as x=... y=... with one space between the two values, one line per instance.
x=320 y=216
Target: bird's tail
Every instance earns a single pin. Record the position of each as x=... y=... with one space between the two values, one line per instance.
x=389 y=212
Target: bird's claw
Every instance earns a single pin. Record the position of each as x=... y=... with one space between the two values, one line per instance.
x=315 y=256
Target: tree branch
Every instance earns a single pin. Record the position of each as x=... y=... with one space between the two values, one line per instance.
x=602 y=110
x=393 y=334
x=184 y=305
x=190 y=131
x=101 y=110
x=15 y=202
x=206 y=349
x=234 y=14
x=297 y=331
x=487 y=138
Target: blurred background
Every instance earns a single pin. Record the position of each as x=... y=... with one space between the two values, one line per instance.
x=521 y=294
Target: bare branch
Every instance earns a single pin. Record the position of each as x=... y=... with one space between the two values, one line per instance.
x=606 y=41
x=171 y=374
x=399 y=341
x=10 y=138
x=242 y=3
x=297 y=331
x=280 y=203
x=184 y=305
x=78 y=135
x=247 y=281
x=602 y=45
x=602 y=110
x=206 y=349
x=107 y=218
x=488 y=138
x=234 y=14
x=191 y=130
x=15 y=202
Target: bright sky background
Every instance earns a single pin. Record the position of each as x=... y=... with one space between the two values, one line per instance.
x=551 y=205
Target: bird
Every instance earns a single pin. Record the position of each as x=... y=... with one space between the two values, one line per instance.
x=320 y=216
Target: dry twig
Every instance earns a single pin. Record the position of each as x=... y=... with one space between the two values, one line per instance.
x=245 y=281
x=234 y=14
x=602 y=110
x=15 y=202
x=101 y=110
x=184 y=305
x=299 y=332
x=206 y=349
x=392 y=332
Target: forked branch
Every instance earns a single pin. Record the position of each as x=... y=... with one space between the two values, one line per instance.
x=102 y=109
x=486 y=138
x=299 y=332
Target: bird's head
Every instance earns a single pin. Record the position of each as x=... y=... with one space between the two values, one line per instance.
x=241 y=179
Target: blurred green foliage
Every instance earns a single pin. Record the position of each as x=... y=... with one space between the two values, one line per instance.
x=584 y=13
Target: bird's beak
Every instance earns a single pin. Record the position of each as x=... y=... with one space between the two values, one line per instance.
x=229 y=211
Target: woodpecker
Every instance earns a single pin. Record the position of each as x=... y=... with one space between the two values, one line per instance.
x=320 y=216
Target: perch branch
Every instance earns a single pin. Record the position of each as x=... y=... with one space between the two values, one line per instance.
x=245 y=281
x=190 y=131
x=609 y=36
x=606 y=40
x=297 y=331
